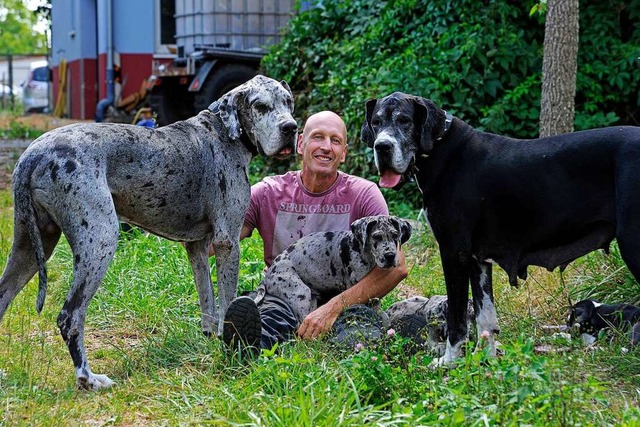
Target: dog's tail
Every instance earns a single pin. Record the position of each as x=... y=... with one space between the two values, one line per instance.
x=25 y=212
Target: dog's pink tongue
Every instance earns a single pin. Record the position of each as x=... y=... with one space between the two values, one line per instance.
x=285 y=151
x=389 y=179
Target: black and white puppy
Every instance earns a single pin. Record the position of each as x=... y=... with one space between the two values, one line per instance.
x=590 y=317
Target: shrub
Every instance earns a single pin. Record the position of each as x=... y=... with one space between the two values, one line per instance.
x=479 y=60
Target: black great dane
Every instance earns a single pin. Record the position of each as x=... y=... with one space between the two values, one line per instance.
x=492 y=199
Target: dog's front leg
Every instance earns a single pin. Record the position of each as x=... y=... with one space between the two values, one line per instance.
x=198 y=253
x=456 y=276
x=483 y=304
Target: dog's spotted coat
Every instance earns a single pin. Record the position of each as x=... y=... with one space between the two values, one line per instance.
x=185 y=182
x=433 y=310
x=324 y=264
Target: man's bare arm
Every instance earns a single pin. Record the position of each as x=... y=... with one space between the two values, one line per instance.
x=378 y=283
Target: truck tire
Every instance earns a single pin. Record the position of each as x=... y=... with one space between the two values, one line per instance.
x=171 y=101
x=220 y=81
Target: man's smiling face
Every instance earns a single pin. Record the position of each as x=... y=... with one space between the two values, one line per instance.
x=323 y=143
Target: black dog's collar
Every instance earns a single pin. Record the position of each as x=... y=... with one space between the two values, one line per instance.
x=448 y=118
x=447 y=123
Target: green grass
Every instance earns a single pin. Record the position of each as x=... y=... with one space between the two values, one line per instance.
x=143 y=330
x=13 y=128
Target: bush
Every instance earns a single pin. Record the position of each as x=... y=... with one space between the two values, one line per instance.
x=479 y=60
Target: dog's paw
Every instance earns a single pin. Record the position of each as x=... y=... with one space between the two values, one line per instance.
x=94 y=382
x=451 y=354
x=588 y=340
x=488 y=341
x=440 y=362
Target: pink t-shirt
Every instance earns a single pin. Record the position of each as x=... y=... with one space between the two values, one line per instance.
x=283 y=210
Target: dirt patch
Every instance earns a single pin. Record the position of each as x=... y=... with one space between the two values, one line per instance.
x=11 y=149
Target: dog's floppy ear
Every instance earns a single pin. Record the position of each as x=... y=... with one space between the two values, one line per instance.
x=361 y=228
x=227 y=108
x=366 y=134
x=430 y=121
x=403 y=227
x=286 y=86
x=423 y=123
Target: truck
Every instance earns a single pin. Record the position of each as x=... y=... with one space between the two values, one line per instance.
x=219 y=46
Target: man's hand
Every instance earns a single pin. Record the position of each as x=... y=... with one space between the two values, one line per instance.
x=376 y=284
x=319 y=322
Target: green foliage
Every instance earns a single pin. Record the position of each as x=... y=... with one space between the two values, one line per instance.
x=17 y=130
x=539 y=8
x=384 y=371
x=16 y=29
x=608 y=65
x=479 y=60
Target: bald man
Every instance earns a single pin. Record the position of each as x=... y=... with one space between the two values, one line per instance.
x=286 y=207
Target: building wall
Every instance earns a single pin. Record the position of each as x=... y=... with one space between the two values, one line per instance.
x=79 y=37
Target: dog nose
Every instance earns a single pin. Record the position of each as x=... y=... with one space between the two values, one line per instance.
x=390 y=258
x=289 y=128
x=383 y=146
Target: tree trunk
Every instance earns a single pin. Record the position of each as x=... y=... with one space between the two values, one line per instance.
x=559 y=67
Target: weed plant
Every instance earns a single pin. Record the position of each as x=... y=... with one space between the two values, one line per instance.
x=143 y=330
x=15 y=129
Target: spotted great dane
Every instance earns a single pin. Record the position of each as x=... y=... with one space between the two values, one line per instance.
x=185 y=182
x=517 y=203
x=324 y=264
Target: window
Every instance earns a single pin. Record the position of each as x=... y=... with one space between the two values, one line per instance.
x=165 y=25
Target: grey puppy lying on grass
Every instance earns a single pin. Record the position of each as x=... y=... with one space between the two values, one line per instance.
x=426 y=319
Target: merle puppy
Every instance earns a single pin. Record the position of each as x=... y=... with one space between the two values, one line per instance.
x=424 y=318
x=330 y=262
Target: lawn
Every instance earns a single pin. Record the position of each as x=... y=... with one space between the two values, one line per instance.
x=143 y=330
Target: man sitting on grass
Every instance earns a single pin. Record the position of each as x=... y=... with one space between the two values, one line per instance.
x=286 y=207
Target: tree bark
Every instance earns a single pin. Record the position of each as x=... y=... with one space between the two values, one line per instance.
x=559 y=67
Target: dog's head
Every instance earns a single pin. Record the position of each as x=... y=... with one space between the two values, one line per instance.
x=380 y=237
x=581 y=315
x=260 y=111
x=398 y=127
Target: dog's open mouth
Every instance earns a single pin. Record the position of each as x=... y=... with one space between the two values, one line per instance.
x=284 y=153
x=389 y=178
